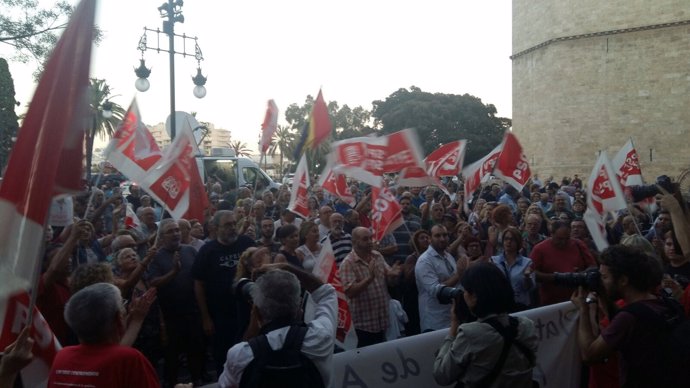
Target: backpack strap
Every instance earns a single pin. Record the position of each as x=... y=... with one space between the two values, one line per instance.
x=294 y=337
x=509 y=335
x=260 y=349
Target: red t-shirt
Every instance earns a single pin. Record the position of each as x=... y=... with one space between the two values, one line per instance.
x=51 y=302
x=102 y=366
x=574 y=257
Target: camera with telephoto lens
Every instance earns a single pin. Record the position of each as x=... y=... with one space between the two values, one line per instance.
x=446 y=294
x=589 y=279
x=640 y=192
x=243 y=289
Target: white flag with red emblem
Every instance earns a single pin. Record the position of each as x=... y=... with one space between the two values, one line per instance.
x=269 y=126
x=299 y=198
x=512 y=165
x=361 y=158
x=46 y=159
x=327 y=270
x=131 y=219
x=169 y=180
x=336 y=184
x=478 y=171
x=133 y=151
x=604 y=194
x=626 y=164
x=386 y=212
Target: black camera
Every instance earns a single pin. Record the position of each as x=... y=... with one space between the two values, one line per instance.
x=641 y=192
x=590 y=279
x=243 y=288
x=446 y=294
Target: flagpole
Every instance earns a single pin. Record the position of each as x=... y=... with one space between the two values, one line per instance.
x=88 y=205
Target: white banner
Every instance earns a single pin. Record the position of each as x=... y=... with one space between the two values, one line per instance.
x=408 y=362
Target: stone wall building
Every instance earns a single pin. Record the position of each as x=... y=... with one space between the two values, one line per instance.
x=589 y=74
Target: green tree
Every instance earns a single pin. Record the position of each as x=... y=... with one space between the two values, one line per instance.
x=284 y=141
x=442 y=118
x=8 y=117
x=345 y=123
x=240 y=148
x=101 y=126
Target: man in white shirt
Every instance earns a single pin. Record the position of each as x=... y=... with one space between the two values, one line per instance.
x=435 y=269
x=276 y=296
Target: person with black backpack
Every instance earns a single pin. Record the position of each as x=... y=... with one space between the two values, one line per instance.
x=650 y=333
x=497 y=350
x=282 y=351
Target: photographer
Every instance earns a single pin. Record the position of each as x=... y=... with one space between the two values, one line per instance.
x=641 y=331
x=497 y=350
x=276 y=296
x=435 y=269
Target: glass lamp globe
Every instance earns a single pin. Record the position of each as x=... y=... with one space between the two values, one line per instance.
x=199 y=91
x=142 y=84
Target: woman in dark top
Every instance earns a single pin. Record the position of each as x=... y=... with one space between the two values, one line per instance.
x=419 y=243
x=288 y=235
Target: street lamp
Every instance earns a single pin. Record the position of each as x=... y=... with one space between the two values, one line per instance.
x=172 y=10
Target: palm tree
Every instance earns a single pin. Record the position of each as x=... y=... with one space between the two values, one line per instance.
x=284 y=141
x=101 y=125
x=240 y=148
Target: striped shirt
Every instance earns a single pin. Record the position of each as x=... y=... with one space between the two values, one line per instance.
x=341 y=246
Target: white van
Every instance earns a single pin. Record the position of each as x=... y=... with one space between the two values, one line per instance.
x=234 y=172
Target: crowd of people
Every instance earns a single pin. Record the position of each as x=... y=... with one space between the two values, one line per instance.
x=452 y=264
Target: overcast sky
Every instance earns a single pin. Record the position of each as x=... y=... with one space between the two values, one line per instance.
x=356 y=51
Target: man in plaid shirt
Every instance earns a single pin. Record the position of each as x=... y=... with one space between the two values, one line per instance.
x=365 y=277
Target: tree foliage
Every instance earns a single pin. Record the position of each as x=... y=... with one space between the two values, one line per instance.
x=345 y=122
x=442 y=118
x=240 y=148
x=32 y=30
x=8 y=117
x=100 y=125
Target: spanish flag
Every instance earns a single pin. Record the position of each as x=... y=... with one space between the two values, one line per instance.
x=317 y=129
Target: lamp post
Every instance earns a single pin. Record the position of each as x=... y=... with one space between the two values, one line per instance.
x=172 y=10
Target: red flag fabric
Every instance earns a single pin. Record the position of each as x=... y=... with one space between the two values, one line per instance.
x=133 y=151
x=169 y=181
x=47 y=158
x=361 y=158
x=299 y=198
x=336 y=184
x=319 y=123
x=626 y=164
x=402 y=151
x=604 y=195
x=476 y=172
x=512 y=165
x=327 y=270
x=198 y=199
x=269 y=126
x=386 y=212
x=131 y=219
x=446 y=160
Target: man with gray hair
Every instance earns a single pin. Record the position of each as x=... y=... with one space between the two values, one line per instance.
x=171 y=272
x=96 y=315
x=276 y=311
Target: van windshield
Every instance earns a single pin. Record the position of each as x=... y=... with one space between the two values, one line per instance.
x=224 y=170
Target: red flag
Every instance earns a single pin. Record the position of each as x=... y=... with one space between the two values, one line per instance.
x=336 y=184
x=198 y=199
x=299 y=199
x=512 y=165
x=326 y=270
x=269 y=126
x=402 y=151
x=604 y=195
x=319 y=123
x=47 y=157
x=476 y=172
x=447 y=160
x=133 y=150
x=626 y=164
x=169 y=181
x=361 y=158
x=386 y=212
